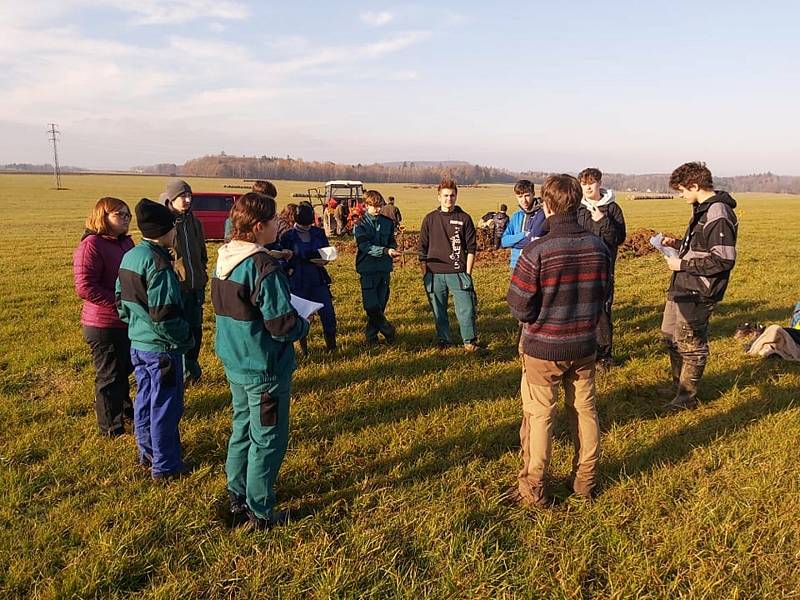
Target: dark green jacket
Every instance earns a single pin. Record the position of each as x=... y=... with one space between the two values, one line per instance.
x=191 y=258
x=256 y=323
x=148 y=298
x=374 y=236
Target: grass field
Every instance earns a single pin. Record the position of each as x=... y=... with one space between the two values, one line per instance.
x=399 y=456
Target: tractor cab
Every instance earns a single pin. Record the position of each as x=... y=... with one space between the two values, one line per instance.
x=343 y=206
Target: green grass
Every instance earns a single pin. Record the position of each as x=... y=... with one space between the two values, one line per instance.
x=399 y=456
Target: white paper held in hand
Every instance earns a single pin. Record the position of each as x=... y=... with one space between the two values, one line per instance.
x=329 y=253
x=305 y=308
x=657 y=241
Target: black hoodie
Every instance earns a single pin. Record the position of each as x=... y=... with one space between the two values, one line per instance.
x=708 y=252
x=445 y=239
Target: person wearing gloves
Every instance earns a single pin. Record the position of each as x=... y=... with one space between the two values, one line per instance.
x=700 y=275
x=525 y=225
x=95 y=266
x=148 y=298
x=191 y=264
x=600 y=214
x=306 y=269
x=447 y=246
x=256 y=328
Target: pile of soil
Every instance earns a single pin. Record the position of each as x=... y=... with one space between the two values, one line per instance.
x=637 y=244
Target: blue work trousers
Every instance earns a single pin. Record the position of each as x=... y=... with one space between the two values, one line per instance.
x=158 y=409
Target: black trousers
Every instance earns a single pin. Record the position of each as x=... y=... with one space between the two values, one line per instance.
x=605 y=328
x=111 y=354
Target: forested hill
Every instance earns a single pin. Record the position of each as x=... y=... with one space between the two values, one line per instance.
x=265 y=167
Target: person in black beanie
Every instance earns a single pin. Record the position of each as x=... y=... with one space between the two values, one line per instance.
x=148 y=299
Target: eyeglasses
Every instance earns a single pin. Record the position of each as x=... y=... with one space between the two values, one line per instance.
x=121 y=214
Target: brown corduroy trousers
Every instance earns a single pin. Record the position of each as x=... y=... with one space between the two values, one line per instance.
x=540 y=382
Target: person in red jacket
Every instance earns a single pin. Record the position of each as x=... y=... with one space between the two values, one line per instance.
x=95 y=266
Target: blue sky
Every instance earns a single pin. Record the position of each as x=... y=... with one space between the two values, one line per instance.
x=625 y=86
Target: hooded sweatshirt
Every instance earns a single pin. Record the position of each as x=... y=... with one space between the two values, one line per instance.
x=256 y=323
x=523 y=228
x=707 y=252
x=95 y=266
x=445 y=240
x=611 y=228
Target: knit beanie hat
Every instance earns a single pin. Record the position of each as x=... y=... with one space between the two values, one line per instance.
x=154 y=219
x=304 y=215
x=177 y=187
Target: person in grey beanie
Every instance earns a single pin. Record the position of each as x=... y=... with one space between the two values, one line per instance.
x=191 y=266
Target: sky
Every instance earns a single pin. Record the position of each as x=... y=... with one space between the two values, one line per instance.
x=635 y=87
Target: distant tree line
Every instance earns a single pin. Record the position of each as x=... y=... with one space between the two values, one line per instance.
x=45 y=168
x=273 y=167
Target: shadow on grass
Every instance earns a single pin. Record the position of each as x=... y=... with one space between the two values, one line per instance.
x=771 y=399
x=430 y=459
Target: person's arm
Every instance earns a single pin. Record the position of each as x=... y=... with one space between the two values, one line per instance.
x=202 y=239
x=611 y=228
x=122 y=310
x=280 y=318
x=470 y=243
x=166 y=309
x=524 y=293
x=399 y=216
x=87 y=268
x=423 y=244
x=511 y=237
x=722 y=254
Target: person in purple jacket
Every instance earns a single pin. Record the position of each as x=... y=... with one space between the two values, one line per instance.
x=95 y=266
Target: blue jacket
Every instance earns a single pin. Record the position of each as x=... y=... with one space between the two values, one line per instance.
x=522 y=229
x=303 y=273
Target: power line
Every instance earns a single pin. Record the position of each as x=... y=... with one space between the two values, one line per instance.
x=54 y=133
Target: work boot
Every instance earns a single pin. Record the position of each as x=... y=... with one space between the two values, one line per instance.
x=330 y=342
x=686 y=398
x=389 y=332
x=278 y=518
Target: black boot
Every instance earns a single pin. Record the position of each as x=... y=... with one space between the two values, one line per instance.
x=330 y=342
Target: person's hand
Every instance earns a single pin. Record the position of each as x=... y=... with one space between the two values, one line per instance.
x=287 y=254
x=673 y=262
x=671 y=242
x=393 y=253
x=597 y=215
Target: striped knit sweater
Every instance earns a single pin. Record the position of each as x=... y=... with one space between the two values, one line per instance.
x=557 y=291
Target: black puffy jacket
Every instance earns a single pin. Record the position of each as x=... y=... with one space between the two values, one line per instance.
x=708 y=252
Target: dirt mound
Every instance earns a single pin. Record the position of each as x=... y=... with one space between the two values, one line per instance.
x=637 y=244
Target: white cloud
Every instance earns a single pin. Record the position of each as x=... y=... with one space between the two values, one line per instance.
x=376 y=19
x=396 y=42
x=170 y=12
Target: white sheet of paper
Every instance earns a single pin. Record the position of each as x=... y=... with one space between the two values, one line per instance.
x=657 y=242
x=329 y=253
x=305 y=308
